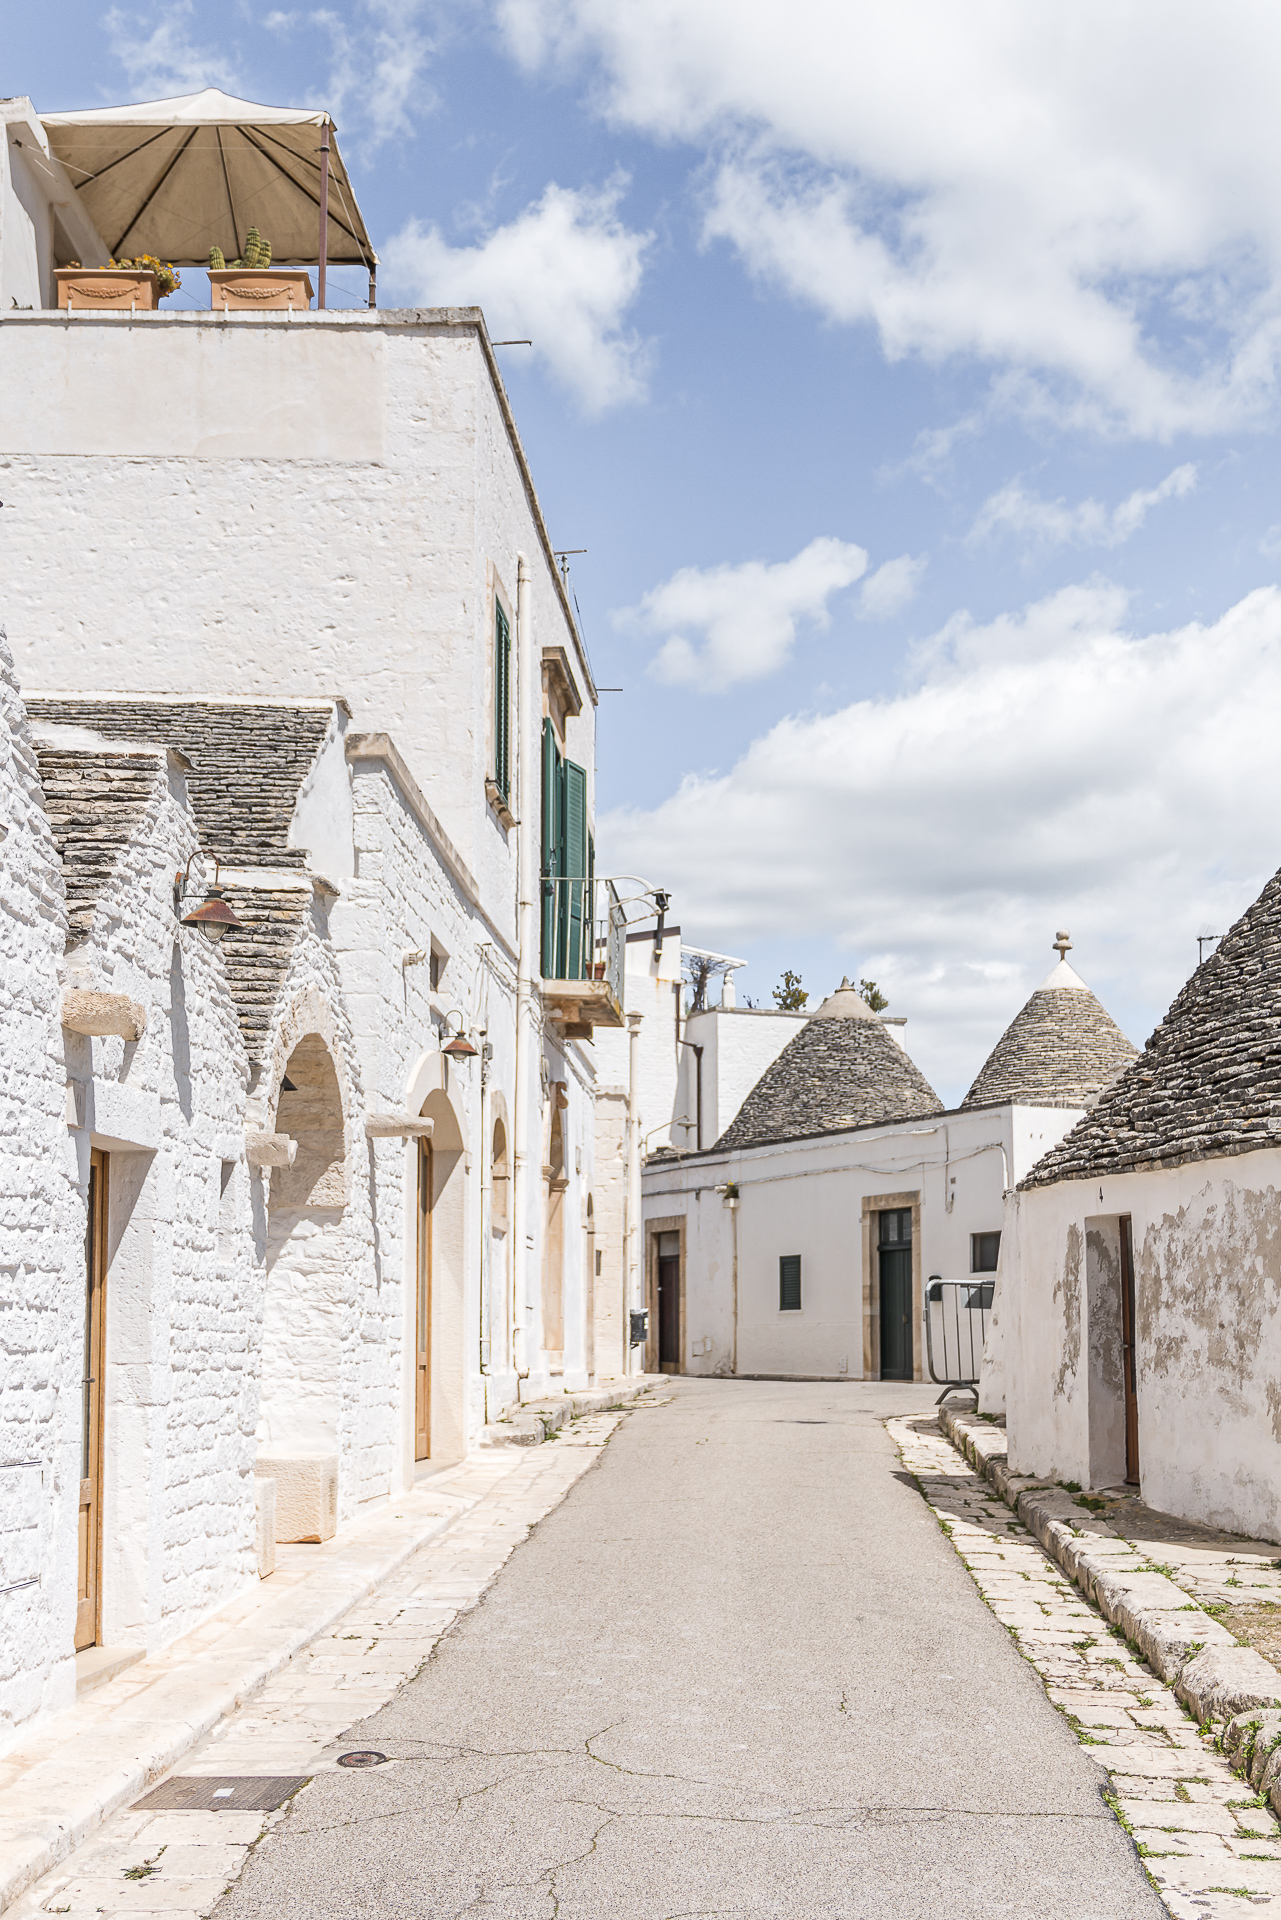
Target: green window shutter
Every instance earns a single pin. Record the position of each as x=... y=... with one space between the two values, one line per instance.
x=550 y=846
x=789 y=1283
x=576 y=868
x=502 y=703
x=575 y=821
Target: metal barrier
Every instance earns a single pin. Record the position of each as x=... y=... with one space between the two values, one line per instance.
x=956 y=1331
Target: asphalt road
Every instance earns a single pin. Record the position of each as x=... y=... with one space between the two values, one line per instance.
x=740 y=1672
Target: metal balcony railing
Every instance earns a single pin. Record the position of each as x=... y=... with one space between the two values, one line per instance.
x=584 y=932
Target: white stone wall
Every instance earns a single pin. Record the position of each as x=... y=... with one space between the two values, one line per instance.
x=1207 y=1262
x=184 y=1278
x=39 y=1379
x=738 y=1044
x=375 y=449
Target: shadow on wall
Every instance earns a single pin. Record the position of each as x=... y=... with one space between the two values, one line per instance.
x=179 y=1032
x=310 y=1309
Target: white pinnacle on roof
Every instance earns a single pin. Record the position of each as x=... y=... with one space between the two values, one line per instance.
x=1061 y=1049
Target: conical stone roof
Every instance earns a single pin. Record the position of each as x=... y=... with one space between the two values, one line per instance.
x=1061 y=1050
x=841 y=1070
x=1208 y=1083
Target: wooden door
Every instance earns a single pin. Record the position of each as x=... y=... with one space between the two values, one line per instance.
x=89 y=1576
x=422 y=1339
x=1129 y=1357
x=669 y=1302
x=894 y=1256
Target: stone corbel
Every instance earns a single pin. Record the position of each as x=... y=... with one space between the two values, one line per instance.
x=397 y=1126
x=270 y=1149
x=99 y=1014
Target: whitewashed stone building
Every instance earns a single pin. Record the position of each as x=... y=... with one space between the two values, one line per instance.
x=1141 y=1266
x=802 y=1244
x=307 y=612
x=136 y=1511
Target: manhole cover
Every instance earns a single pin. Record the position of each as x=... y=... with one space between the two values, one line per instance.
x=223 y=1793
x=363 y=1757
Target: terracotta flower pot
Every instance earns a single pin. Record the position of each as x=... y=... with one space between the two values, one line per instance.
x=255 y=288
x=110 y=289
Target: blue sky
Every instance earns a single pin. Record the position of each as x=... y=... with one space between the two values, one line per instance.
x=909 y=375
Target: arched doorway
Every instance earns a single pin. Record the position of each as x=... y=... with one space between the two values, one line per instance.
x=554 y=1259
x=499 y=1240
x=439 y=1309
x=422 y=1316
x=309 y=1276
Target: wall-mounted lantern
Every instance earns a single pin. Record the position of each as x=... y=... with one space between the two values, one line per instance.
x=457 y=1046
x=213 y=916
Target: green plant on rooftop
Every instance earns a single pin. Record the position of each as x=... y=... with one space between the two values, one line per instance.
x=256 y=256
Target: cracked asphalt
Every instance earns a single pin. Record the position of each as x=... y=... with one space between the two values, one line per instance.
x=739 y=1672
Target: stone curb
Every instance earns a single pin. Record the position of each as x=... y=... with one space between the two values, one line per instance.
x=531 y=1424
x=46 y=1815
x=1214 y=1676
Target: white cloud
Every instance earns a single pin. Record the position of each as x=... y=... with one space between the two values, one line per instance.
x=1085 y=198
x=564 y=274
x=1047 y=769
x=745 y=616
x=160 y=58
x=888 y=590
x=1087 y=524
x=377 y=68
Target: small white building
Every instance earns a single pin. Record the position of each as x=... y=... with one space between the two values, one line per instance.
x=801 y=1245
x=1140 y=1285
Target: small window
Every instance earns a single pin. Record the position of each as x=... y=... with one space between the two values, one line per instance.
x=985 y=1250
x=436 y=967
x=502 y=703
x=896 y=1227
x=789 y=1283
x=669 y=1246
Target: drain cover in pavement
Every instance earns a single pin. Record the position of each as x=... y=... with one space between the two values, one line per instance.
x=223 y=1793
x=363 y=1757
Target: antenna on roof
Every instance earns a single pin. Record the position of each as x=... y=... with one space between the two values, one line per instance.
x=1061 y=943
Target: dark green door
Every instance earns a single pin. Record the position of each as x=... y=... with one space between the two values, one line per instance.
x=894 y=1254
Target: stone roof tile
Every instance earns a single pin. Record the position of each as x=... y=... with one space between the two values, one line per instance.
x=837 y=1072
x=94 y=803
x=248 y=761
x=1061 y=1050
x=1208 y=1083
x=257 y=956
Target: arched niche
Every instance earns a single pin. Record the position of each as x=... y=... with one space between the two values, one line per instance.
x=439 y=1309
x=309 y=1300
x=499 y=1317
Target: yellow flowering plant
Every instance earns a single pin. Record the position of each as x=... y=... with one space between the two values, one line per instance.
x=165 y=271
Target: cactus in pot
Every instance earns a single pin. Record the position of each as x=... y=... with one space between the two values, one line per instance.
x=255 y=259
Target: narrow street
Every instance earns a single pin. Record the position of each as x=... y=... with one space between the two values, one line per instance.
x=740 y=1671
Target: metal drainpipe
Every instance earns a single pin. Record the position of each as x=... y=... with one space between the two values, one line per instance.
x=733 y=1351
x=526 y=1072
x=486 y=1194
x=323 y=249
x=632 y=1233
x=698 y=1090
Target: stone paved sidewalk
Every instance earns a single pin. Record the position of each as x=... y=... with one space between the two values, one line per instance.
x=179 y=1864
x=1209 y=1847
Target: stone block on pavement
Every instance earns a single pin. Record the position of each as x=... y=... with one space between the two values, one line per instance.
x=306 y=1494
